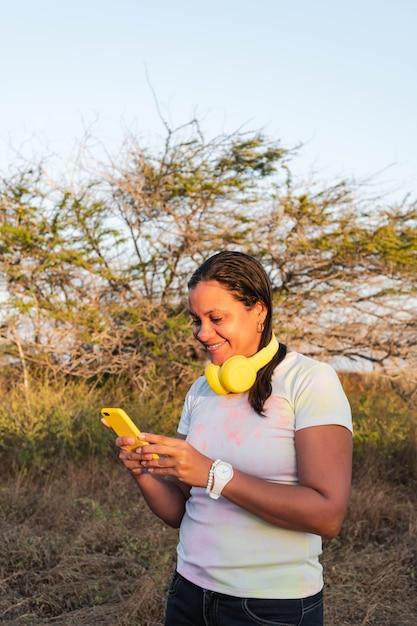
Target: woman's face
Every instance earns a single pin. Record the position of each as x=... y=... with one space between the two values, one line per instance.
x=222 y=324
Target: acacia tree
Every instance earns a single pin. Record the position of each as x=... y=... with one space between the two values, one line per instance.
x=95 y=278
x=343 y=277
x=193 y=197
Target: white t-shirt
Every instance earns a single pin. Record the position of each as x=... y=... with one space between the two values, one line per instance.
x=222 y=546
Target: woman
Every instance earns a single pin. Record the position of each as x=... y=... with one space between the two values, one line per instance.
x=256 y=477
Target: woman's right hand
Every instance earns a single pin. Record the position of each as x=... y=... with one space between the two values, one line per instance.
x=130 y=459
x=164 y=497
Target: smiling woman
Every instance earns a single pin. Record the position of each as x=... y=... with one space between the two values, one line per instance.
x=219 y=329
x=255 y=477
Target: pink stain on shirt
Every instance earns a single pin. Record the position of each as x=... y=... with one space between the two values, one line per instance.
x=234 y=435
x=279 y=411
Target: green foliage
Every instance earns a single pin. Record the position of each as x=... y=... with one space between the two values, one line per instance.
x=385 y=427
x=50 y=423
x=94 y=275
x=56 y=423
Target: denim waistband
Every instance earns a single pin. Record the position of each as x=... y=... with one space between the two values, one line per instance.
x=307 y=599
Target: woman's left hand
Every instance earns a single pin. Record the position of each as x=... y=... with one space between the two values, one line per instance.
x=177 y=458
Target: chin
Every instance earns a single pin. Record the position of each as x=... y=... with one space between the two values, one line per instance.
x=218 y=359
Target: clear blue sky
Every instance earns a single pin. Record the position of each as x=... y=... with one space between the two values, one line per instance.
x=340 y=77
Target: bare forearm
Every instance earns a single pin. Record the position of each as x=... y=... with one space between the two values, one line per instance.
x=164 y=498
x=294 y=507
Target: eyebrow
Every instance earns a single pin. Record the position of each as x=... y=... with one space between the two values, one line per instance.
x=206 y=313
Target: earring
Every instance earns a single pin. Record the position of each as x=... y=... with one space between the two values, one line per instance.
x=260 y=327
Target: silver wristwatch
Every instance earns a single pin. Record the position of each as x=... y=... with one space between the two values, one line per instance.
x=219 y=475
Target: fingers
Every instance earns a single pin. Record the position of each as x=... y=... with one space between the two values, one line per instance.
x=138 y=461
x=163 y=471
x=164 y=450
x=132 y=465
x=126 y=455
x=149 y=437
x=125 y=441
x=139 y=470
x=161 y=439
x=132 y=462
x=166 y=462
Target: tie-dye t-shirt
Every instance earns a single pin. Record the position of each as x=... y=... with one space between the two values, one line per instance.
x=222 y=546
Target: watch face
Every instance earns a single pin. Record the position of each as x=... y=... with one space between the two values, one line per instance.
x=223 y=471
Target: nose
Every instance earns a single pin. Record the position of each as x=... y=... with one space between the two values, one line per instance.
x=205 y=332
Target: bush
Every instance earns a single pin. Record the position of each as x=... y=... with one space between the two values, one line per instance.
x=385 y=427
x=56 y=422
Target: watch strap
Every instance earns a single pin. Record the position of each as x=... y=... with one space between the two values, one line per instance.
x=211 y=476
x=214 y=489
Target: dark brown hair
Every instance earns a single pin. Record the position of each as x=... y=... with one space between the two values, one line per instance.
x=248 y=282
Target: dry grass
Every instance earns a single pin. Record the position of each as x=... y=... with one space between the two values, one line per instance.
x=371 y=567
x=81 y=547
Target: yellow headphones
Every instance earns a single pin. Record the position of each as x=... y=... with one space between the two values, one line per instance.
x=238 y=373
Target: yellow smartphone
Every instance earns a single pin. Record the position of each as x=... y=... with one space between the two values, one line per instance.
x=120 y=422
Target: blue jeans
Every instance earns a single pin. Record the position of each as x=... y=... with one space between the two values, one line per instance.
x=190 y=605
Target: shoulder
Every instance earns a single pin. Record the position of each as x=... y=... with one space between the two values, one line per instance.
x=297 y=365
x=315 y=392
x=199 y=387
x=191 y=401
x=298 y=372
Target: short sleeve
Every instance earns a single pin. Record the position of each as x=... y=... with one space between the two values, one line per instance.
x=189 y=403
x=184 y=423
x=320 y=399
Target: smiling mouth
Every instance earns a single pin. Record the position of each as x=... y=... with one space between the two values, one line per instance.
x=214 y=346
